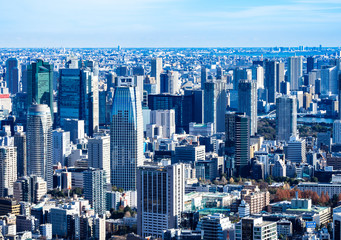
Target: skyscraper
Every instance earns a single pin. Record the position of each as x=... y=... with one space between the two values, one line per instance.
x=99 y=154
x=270 y=81
x=160 y=199
x=8 y=170
x=295 y=72
x=237 y=144
x=286 y=117
x=94 y=186
x=169 y=82
x=61 y=145
x=310 y=64
x=203 y=76
x=39 y=142
x=241 y=74
x=13 y=74
x=258 y=75
x=126 y=137
x=329 y=80
x=156 y=70
x=279 y=75
x=215 y=102
x=78 y=97
x=40 y=84
x=247 y=97
x=339 y=92
x=20 y=144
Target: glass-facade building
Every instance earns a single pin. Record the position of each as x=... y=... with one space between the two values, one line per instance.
x=237 y=150
x=39 y=143
x=40 y=84
x=78 y=98
x=126 y=137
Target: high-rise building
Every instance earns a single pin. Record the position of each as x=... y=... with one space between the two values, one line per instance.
x=20 y=144
x=39 y=143
x=160 y=199
x=40 y=84
x=339 y=92
x=61 y=146
x=337 y=225
x=295 y=72
x=126 y=137
x=78 y=97
x=169 y=82
x=237 y=145
x=185 y=113
x=8 y=170
x=337 y=131
x=270 y=81
x=99 y=154
x=286 y=117
x=165 y=119
x=156 y=70
x=241 y=74
x=279 y=75
x=203 y=76
x=94 y=186
x=258 y=75
x=247 y=97
x=215 y=103
x=29 y=189
x=189 y=153
x=295 y=151
x=329 y=80
x=310 y=64
x=13 y=73
x=76 y=129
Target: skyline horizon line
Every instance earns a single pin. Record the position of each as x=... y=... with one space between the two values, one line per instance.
x=179 y=47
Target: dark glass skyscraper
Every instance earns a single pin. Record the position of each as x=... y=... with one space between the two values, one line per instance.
x=237 y=144
x=183 y=106
x=310 y=64
x=78 y=97
x=13 y=75
x=270 y=80
x=247 y=97
x=40 y=84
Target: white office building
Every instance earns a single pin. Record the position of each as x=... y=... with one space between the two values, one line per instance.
x=160 y=199
x=99 y=154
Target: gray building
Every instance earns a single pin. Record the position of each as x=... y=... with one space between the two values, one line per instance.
x=94 y=186
x=286 y=117
x=20 y=144
x=295 y=72
x=156 y=70
x=247 y=97
x=215 y=102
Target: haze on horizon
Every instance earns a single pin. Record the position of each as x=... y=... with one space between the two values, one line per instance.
x=170 y=23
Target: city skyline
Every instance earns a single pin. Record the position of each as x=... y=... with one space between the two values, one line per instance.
x=170 y=23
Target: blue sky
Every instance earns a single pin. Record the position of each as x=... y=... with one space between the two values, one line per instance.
x=170 y=23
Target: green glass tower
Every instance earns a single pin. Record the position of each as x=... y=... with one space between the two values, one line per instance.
x=40 y=84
